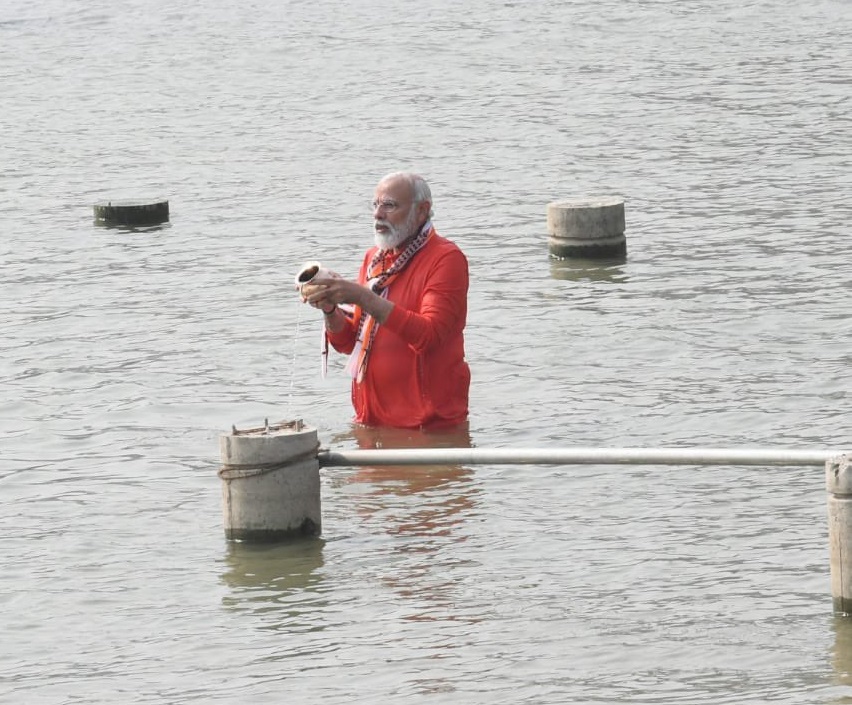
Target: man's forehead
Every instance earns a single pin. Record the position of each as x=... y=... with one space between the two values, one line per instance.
x=397 y=187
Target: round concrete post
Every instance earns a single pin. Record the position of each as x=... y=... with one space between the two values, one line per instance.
x=131 y=213
x=838 y=481
x=586 y=227
x=270 y=483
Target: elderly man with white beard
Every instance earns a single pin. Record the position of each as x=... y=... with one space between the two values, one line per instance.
x=402 y=322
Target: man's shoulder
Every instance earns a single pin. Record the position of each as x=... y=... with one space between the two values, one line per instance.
x=439 y=242
x=443 y=257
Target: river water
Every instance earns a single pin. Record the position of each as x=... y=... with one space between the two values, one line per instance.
x=125 y=354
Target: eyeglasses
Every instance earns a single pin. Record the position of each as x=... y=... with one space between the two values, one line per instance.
x=388 y=205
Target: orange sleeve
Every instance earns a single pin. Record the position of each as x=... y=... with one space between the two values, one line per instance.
x=343 y=340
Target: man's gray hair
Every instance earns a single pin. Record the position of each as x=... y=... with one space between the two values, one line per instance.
x=419 y=186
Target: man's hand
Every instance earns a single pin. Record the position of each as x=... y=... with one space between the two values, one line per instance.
x=317 y=291
x=328 y=290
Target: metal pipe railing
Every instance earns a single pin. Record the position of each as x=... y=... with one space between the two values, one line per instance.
x=258 y=505
x=575 y=456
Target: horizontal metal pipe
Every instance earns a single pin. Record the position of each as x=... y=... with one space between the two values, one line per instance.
x=575 y=456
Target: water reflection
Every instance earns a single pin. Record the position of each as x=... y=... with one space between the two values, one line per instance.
x=439 y=499
x=370 y=437
x=841 y=657
x=280 y=579
x=127 y=228
x=424 y=509
x=589 y=270
x=441 y=492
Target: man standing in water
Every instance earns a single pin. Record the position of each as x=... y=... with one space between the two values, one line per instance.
x=403 y=320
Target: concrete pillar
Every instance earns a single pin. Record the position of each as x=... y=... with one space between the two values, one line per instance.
x=838 y=480
x=586 y=227
x=131 y=212
x=270 y=483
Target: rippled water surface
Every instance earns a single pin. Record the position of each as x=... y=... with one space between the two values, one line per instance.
x=125 y=354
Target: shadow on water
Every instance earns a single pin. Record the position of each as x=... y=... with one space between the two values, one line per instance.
x=278 y=578
x=589 y=270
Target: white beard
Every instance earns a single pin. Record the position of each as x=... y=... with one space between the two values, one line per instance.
x=396 y=234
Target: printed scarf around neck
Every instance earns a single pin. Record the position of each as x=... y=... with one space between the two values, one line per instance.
x=379 y=280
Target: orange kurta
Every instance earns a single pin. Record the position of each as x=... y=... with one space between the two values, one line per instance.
x=416 y=374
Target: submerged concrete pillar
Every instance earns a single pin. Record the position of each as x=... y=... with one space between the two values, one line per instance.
x=838 y=481
x=586 y=227
x=270 y=483
x=131 y=212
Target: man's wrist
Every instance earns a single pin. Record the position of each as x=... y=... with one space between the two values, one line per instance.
x=330 y=311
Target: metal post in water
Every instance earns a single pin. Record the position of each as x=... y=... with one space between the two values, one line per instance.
x=270 y=482
x=838 y=482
